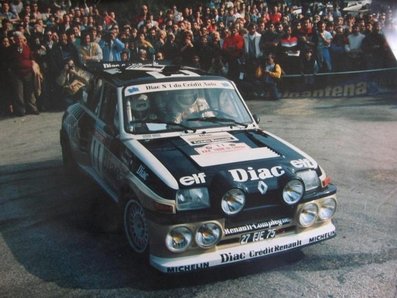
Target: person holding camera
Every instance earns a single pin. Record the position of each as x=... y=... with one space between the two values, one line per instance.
x=72 y=80
x=269 y=75
x=112 y=47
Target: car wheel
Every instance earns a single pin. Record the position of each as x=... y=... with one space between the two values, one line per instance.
x=135 y=226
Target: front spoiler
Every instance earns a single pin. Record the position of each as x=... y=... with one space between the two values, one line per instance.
x=239 y=253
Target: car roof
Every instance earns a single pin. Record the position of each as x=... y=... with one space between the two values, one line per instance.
x=126 y=74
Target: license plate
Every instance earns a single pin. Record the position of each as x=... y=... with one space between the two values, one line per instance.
x=257 y=236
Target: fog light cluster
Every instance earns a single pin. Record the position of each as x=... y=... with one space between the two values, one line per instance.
x=180 y=238
x=311 y=212
x=327 y=208
x=308 y=215
x=208 y=235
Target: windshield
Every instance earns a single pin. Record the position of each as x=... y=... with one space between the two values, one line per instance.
x=189 y=105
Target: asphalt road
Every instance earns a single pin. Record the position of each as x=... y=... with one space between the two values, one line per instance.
x=51 y=243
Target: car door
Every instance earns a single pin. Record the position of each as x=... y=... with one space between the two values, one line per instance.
x=105 y=144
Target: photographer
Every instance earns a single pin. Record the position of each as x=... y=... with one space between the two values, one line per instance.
x=111 y=46
x=72 y=80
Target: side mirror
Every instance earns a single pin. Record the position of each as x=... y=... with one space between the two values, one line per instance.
x=256 y=118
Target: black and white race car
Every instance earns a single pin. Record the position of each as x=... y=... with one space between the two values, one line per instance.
x=199 y=183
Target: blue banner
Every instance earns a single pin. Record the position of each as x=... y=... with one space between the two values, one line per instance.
x=340 y=84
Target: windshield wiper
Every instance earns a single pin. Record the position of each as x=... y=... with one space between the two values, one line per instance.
x=168 y=123
x=217 y=119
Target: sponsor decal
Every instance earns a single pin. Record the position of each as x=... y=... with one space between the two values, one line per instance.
x=193 y=179
x=354 y=89
x=322 y=237
x=132 y=90
x=141 y=172
x=187 y=268
x=110 y=165
x=207 y=160
x=163 y=86
x=257 y=226
x=222 y=148
x=97 y=152
x=242 y=175
x=233 y=257
x=229 y=257
x=207 y=139
x=108 y=65
x=274 y=249
x=287 y=246
x=304 y=163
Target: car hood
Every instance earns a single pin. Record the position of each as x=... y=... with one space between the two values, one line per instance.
x=211 y=159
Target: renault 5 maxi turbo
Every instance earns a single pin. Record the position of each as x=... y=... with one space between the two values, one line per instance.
x=200 y=184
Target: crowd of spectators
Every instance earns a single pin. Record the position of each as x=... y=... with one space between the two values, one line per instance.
x=43 y=40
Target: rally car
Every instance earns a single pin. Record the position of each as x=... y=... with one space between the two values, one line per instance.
x=199 y=183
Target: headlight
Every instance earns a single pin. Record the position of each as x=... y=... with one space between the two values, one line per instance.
x=208 y=235
x=178 y=239
x=293 y=191
x=327 y=208
x=233 y=201
x=194 y=198
x=308 y=214
x=310 y=179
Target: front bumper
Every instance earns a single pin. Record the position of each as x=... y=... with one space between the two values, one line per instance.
x=243 y=252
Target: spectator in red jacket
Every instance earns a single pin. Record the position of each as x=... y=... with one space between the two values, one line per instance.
x=275 y=16
x=233 y=45
x=22 y=76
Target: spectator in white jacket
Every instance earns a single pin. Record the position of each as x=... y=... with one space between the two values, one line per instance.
x=354 y=50
x=252 y=50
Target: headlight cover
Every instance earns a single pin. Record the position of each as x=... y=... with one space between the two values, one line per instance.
x=310 y=179
x=308 y=215
x=178 y=239
x=293 y=191
x=233 y=201
x=208 y=234
x=192 y=199
x=327 y=208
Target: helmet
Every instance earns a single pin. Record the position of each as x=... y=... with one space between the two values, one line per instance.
x=140 y=107
x=185 y=97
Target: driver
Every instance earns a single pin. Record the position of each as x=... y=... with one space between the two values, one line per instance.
x=140 y=107
x=140 y=112
x=186 y=104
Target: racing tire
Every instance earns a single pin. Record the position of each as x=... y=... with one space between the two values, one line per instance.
x=135 y=227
